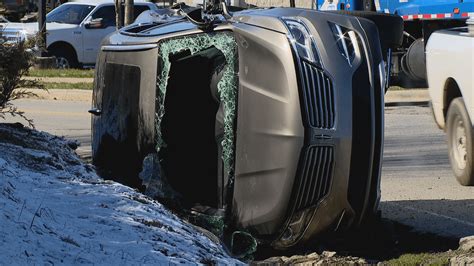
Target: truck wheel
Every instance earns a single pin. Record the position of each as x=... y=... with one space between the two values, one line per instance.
x=460 y=142
x=64 y=58
x=369 y=5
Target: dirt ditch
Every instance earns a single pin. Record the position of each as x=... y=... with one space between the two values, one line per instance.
x=381 y=241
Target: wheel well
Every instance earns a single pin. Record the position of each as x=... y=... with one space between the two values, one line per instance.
x=451 y=91
x=62 y=45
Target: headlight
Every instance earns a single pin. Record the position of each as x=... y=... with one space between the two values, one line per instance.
x=347 y=42
x=302 y=40
x=21 y=35
x=295 y=229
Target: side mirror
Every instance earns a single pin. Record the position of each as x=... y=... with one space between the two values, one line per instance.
x=94 y=24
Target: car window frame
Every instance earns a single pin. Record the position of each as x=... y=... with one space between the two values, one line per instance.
x=86 y=17
x=95 y=10
x=89 y=17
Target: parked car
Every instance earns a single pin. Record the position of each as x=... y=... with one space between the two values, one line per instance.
x=75 y=30
x=451 y=87
x=271 y=118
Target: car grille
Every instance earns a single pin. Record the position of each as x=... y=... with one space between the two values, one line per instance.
x=319 y=96
x=315 y=177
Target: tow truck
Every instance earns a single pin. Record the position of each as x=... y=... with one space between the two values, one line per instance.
x=421 y=19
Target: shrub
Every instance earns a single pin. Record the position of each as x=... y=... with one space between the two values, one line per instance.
x=16 y=59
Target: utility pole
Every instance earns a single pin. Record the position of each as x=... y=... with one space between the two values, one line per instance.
x=292 y=3
x=129 y=12
x=42 y=26
x=118 y=14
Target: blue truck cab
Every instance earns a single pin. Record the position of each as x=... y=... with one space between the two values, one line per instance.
x=421 y=19
x=458 y=9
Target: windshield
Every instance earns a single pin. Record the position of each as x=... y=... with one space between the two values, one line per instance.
x=69 y=14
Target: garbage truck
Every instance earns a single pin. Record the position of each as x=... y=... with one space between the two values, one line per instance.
x=421 y=19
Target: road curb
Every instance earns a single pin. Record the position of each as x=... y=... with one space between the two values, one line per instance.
x=405 y=104
x=407 y=97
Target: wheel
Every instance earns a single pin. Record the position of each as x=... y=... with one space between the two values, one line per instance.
x=369 y=5
x=65 y=58
x=460 y=142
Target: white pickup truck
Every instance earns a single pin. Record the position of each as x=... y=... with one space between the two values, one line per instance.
x=450 y=69
x=74 y=30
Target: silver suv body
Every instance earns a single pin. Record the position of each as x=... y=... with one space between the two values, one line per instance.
x=273 y=118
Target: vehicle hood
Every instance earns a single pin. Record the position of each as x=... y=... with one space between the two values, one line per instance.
x=32 y=27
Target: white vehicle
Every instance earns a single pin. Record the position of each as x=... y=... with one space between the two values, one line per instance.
x=450 y=69
x=74 y=30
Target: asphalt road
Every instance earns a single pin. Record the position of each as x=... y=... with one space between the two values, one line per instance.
x=62 y=118
x=418 y=188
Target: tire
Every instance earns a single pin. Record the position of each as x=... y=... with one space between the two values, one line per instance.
x=369 y=5
x=390 y=27
x=460 y=142
x=65 y=57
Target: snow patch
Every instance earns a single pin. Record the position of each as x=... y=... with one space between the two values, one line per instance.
x=55 y=209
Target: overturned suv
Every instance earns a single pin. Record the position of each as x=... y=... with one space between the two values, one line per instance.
x=271 y=118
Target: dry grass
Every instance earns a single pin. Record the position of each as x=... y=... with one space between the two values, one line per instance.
x=68 y=86
x=61 y=73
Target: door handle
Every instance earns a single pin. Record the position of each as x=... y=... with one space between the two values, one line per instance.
x=95 y=111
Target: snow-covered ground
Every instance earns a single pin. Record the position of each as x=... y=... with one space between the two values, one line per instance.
x=55 y=209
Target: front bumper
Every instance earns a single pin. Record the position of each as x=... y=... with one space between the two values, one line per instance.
x=13 y=35
x=337 y=184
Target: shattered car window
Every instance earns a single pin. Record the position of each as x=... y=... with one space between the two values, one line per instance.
x=227 y=86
